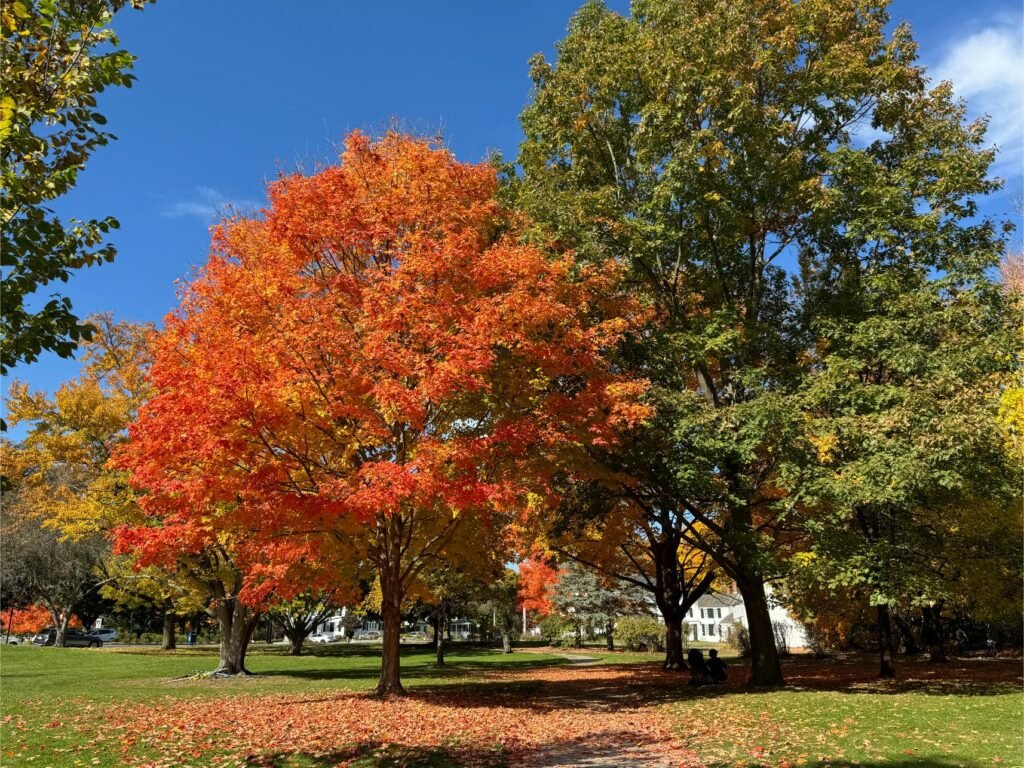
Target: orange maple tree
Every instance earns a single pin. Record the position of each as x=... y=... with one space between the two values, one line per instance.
x=377 y=357
x=536 y=579
x=29 y=620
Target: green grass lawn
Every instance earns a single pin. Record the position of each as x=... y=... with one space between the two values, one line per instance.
x=915 y=729
x=54 y=700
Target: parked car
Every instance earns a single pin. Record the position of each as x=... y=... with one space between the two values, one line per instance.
x=12 y=640
x=106 y=635
x=366 y=634
x=73 y=638
x=321 y=637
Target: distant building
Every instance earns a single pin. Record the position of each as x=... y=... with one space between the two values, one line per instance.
x=715 y=618
x=711 y=619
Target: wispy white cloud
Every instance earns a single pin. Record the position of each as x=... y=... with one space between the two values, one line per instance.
x=207 y=204
x=987 y=69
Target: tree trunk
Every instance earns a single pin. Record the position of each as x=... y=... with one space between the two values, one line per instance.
x=296 y=639
x=439 y=640
x=888 y=667
x=440 y=643
x=609 y=637
x=236 y=626
x=674 y=658
x=168 y=643
x=765 y=668
x=10 y=624
x=933 y=634
x=506 y=641
x=390 y=681
x=577 y=638
x=907 y=644
x=60 y=623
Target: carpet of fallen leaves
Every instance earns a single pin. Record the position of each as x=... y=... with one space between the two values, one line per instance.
x=576 y=715
x=539 y=717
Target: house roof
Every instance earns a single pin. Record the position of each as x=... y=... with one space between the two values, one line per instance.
x=718 y=601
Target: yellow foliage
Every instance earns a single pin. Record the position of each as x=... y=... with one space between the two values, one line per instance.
x=825 y=446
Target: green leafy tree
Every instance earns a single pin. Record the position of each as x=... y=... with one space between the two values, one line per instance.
x=723 y=153
x=913 y=496
x=57 y=56
x=299 y=616
x=498 y=609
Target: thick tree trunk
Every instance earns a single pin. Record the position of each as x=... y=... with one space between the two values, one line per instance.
x=933 y=634
x=168 y=643
x=887 y=667
x=609 y=636
x=765 y=668
x=236 y=626
x=390 y=681
x=296 y=639
x=674 y=657
x=506 y=641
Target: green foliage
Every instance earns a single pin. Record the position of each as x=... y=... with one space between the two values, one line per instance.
x=556 y=630
x=811 y=288
x=740 y=640
x=640 y=633
x=497 y=608
x=57 y=56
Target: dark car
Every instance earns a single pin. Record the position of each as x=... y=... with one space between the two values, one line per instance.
x=73 y=638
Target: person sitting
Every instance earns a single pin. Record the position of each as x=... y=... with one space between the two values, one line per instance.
x=698 y=669
x=716 y=667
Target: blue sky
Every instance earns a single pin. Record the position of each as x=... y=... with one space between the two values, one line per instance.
x=229 y=92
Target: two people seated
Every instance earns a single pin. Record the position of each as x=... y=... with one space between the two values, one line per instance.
x=701 y=672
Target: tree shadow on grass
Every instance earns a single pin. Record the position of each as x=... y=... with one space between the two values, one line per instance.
x=614 y=748
x=594 y=689
x=454 y=669
x=375 y=755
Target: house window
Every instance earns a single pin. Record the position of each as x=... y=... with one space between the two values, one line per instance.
x=711 y=629
x=703 y=630
x=719 y=610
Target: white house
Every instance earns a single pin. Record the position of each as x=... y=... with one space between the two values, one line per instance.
x=711 y=619
x=714 y=618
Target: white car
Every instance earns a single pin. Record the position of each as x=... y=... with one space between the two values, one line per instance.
x=321 y=637
x=106 y=635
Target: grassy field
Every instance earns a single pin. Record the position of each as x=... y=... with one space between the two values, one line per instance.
x=78 y=707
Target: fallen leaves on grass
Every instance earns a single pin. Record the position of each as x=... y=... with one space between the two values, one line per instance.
x=555 y=719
